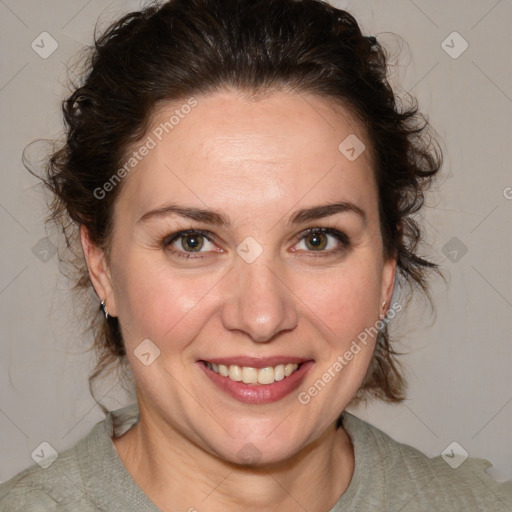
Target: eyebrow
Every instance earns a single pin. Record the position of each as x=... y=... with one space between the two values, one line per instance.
x=319 y=212
x=217 y=219
x=198 y=214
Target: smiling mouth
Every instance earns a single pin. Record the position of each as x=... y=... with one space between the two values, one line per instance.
x=254 y=376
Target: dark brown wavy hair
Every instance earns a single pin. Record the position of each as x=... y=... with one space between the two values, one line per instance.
x=172 y=51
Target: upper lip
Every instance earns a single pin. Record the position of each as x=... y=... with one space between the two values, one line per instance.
x=256 y=362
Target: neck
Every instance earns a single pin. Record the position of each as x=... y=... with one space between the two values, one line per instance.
x=176 y=474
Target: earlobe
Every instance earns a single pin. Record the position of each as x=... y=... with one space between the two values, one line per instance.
x=99 y=272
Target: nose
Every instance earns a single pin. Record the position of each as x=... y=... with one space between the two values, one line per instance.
x=258 y=301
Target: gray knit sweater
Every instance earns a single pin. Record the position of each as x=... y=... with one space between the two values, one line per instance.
x=388 y=476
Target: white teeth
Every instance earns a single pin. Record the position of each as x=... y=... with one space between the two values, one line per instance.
x=266 y=375
x=279 y=372
x=289 y=369
x=248 y=375
x=235 y=373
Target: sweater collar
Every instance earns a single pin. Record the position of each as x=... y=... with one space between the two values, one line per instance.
x=108 y=482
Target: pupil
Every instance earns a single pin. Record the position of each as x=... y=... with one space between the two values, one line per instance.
x=317 y=240
x=192 y=242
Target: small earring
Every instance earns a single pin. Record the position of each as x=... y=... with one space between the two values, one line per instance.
x=382 y=315
x=103 y=308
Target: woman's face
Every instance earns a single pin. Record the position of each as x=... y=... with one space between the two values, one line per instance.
x=252 y=177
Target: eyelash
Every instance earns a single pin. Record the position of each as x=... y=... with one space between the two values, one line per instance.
x=338 y=235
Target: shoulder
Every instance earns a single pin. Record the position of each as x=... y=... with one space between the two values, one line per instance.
x=80 y=478
x=414 y=481
x=57 y=486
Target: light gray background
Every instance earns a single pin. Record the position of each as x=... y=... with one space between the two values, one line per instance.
x=460 y=360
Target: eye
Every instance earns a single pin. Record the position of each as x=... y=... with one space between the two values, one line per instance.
x=323 y=240
x=193 y=243
x=186 y=243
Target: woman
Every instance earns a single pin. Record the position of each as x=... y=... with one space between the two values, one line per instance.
x=241 y=183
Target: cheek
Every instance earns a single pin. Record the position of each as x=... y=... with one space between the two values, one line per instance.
x=346 y=300
x=156 y=304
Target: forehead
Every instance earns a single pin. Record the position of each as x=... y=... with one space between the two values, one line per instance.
x=227 y=147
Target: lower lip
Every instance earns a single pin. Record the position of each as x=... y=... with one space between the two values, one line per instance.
x=262 y=393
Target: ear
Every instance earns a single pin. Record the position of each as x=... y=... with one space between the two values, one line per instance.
x=388 y=284
x=99 y=272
